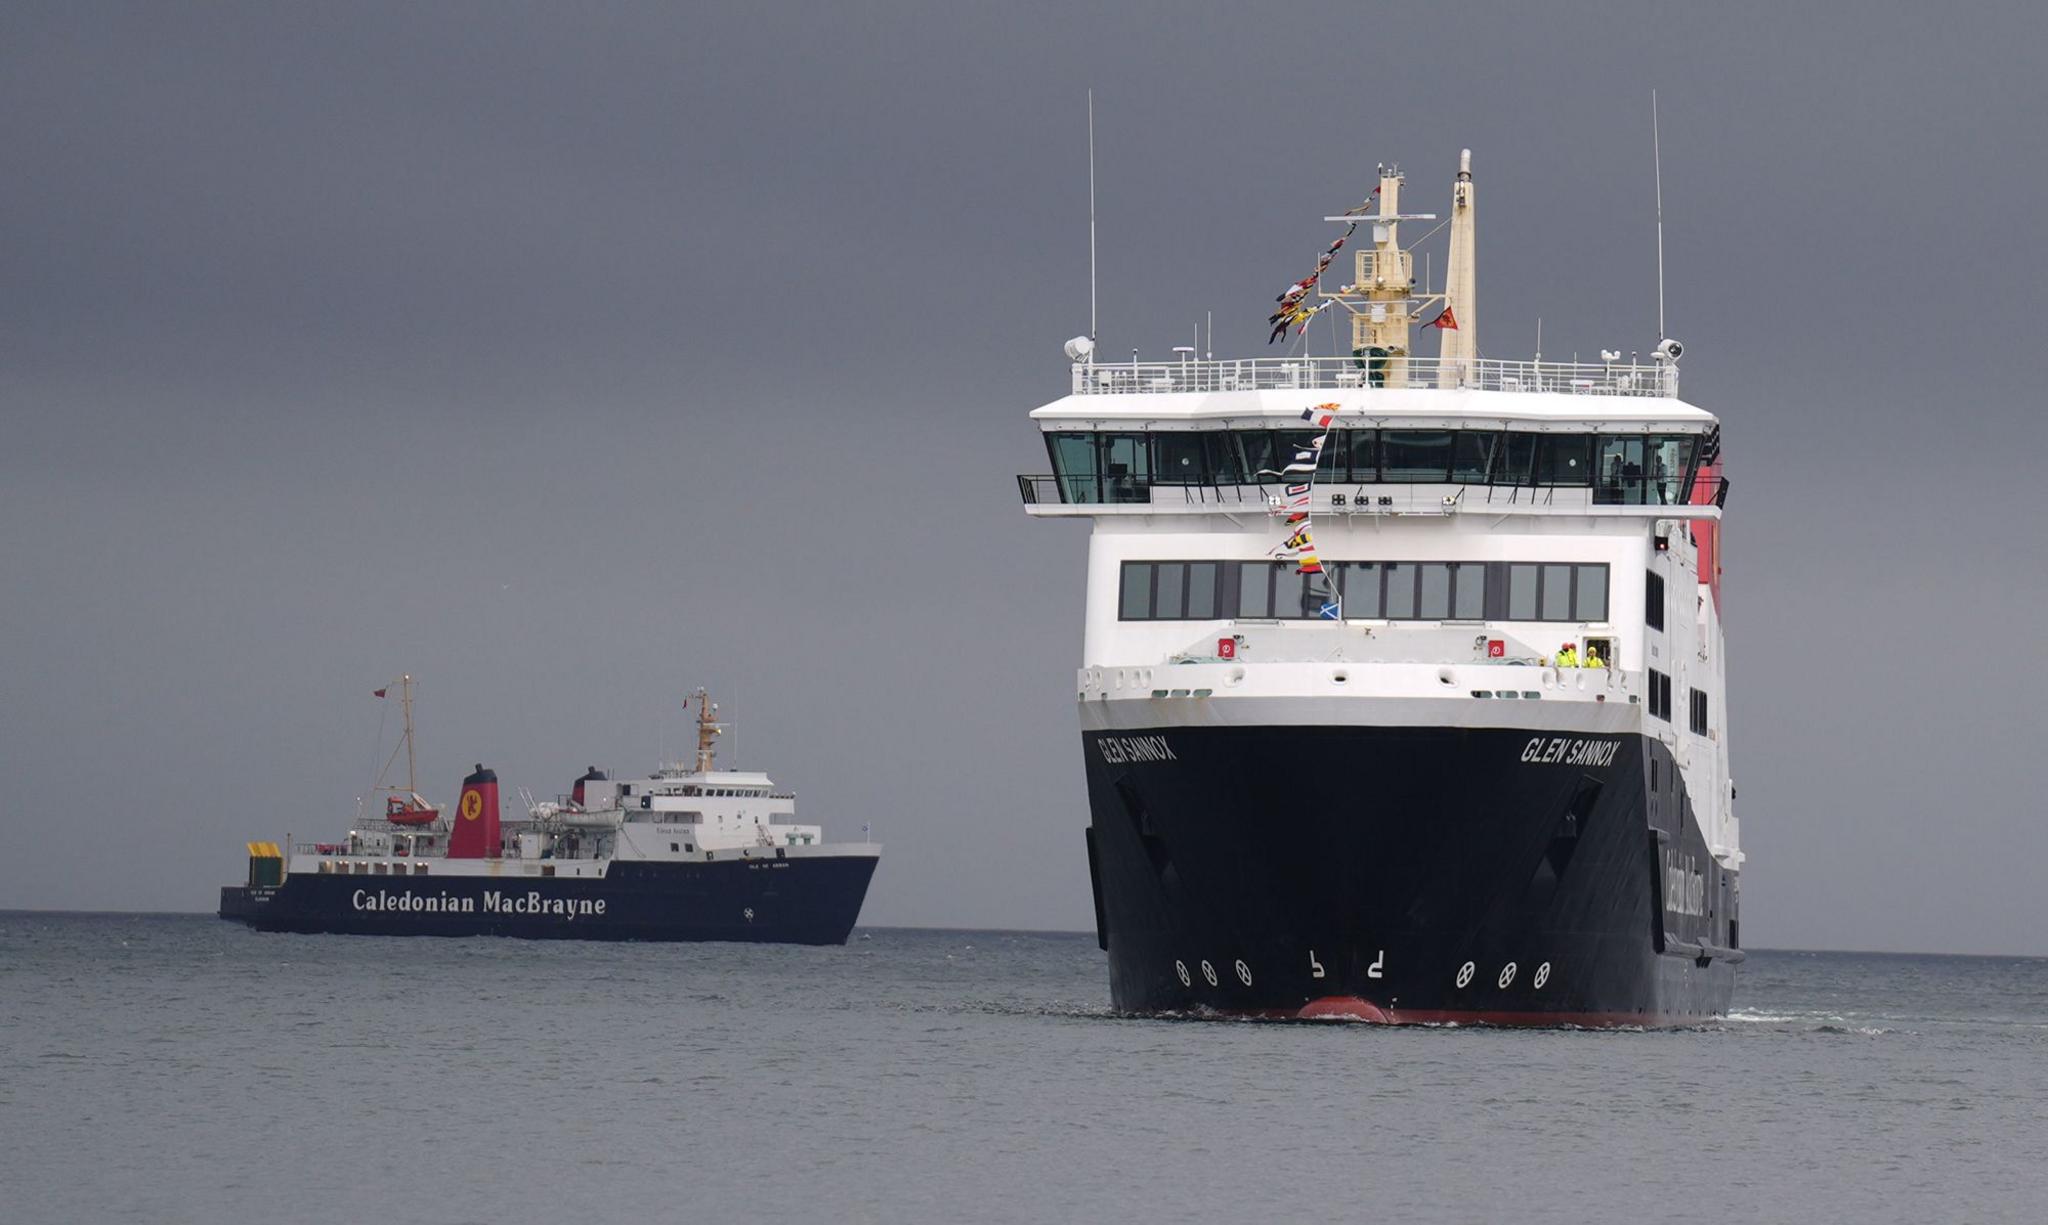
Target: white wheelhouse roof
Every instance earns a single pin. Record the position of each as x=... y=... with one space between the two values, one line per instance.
x=1418 y=406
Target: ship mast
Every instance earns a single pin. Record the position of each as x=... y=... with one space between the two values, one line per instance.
x=1382 y=299
x=405 y=706
x=1383 y=302
x=1460 y=344
x=405 y=741
x=708 y=730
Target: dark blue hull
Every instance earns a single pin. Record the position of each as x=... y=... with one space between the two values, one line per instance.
x=1405 y=875
x=805 y=900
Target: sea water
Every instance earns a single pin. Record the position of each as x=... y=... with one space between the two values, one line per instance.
x=178 y=1068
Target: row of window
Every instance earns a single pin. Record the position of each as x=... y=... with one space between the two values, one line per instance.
x=1622 y=468
x=1363 y=590
x=1660 y=702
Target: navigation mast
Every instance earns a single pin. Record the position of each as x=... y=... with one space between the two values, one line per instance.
x=1382 y=299
x=405 y=741
x=708 y=729
x=404 y=806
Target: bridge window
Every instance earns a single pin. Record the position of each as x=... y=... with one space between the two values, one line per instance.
x=1699 y=712
x=1653 y=600
x=1564 y=459
x=1643 y=469
x=1621 y=468
x=1178 y=459
x=1415 y=456
x=1473 y=457
x=1361 y=455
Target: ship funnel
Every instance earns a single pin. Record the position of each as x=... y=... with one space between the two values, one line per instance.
x=592 y=775
x=476 y=818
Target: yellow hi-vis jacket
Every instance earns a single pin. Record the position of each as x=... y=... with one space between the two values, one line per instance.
x=1593 y=659
x=1568 y=658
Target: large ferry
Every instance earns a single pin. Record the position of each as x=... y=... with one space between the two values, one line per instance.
x=683 y=854
x=1402 y=691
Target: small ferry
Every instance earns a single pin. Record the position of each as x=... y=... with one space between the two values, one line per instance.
x=694 y=853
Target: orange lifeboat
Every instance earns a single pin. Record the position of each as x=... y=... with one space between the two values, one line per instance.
x=409 y=810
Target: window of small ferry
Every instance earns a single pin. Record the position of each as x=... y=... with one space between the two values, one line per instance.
x=1360 y=582
x=1136 y=601
x=1669 y=466
x=1589 y=593
x=1473 y=455
x=1126 y=467
x=1169 y=590
x=1400 y=590
x=1557 y=593
x=1336 y=465
x=1257 y=452
x=1415 y=455
x=1519 y=462
x=1436 y=592
x=1621 y=470
x=1361 y=455
x=1294 y=596
x=1073 y=462
x=1288 y=443
x=1177 y=459
x=1254 y=590
x=1468 y=591
x=1523 y=578
x=1203 y=589
x=1225 y=463
x=1564 y=459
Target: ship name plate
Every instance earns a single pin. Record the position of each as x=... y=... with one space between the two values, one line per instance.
x=1124 y=750
x=1566 y=751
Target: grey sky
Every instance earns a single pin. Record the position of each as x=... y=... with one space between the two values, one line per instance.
x=568 y=358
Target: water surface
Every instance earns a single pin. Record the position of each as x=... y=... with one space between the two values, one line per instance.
x=177 y=1068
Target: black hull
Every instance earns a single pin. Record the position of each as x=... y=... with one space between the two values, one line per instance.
x=1399 y=874
x=807 y=900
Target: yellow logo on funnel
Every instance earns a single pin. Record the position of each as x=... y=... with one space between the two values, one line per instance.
x=472 y=804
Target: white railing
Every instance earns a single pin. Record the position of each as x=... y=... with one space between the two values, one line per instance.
x=1368 y=373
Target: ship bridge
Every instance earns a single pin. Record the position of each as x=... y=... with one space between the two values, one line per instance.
x=1516 y=437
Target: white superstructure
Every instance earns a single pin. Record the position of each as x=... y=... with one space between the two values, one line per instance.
x=1472 y=517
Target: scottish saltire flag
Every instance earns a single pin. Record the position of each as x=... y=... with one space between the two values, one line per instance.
x=1329 y=612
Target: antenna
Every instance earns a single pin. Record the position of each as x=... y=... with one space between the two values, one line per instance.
x=1657 y=159
x=1091 y=214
